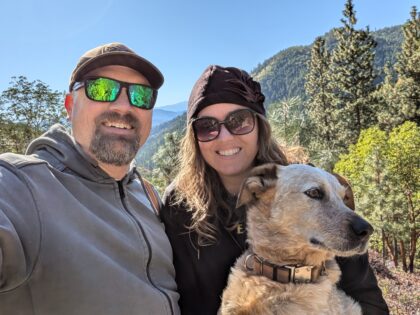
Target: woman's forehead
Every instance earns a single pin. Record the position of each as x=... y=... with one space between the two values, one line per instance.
x=220 y=110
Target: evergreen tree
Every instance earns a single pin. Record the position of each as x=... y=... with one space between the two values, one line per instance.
x=166 y=161
x=286 y=119
x=387 y=102
x=408 y=69
x=322 y=115
x=407 y=64
x=351 y=78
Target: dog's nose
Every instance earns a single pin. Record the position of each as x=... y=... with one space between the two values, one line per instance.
x=361 y=228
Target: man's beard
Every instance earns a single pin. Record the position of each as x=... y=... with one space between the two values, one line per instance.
x=114 y=149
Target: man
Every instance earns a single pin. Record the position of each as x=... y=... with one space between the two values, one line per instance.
x=77 y=231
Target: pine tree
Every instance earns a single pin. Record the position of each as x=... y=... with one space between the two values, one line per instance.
x=387 y=102
x=321 y=112
x=408 y=70
x=351 y=78
x=286 y=119
x=166 y=161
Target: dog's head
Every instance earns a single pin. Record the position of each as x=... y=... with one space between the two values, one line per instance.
x=302 y=207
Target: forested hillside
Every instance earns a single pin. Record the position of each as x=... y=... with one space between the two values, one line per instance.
x=156 y=139
x=283 y=77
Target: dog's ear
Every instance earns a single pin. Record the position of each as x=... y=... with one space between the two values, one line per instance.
x=260 y=179
x=349 y=196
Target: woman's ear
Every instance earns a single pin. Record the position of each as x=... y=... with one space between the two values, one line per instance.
x=68 y=104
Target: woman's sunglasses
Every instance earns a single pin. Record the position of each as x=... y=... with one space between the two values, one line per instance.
x=238 y=122
x=101 y=89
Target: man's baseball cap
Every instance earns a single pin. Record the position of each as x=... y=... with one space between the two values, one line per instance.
x=115 y=54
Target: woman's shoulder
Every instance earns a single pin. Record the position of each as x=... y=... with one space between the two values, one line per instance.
x=170 y=197
x=173 y=211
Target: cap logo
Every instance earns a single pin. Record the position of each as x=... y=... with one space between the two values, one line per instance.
x=112 y=48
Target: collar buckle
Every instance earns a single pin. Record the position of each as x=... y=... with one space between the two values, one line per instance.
x=302 y=274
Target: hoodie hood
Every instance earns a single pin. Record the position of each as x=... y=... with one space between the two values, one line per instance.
x=60 y=150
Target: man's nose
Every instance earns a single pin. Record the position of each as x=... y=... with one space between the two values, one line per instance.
x=122 y=103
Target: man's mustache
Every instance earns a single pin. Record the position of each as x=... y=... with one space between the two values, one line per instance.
x=114 y=117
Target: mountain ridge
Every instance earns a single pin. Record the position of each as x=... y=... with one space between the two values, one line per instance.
x=282 y=76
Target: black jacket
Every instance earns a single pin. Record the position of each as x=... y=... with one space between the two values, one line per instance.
x=201 y=273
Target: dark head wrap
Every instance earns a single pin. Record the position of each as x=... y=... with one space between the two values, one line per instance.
x=225 y=85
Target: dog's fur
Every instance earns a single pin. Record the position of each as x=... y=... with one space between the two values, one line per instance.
x=286 y=226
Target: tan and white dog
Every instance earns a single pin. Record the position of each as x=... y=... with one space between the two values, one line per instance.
x=297 y=221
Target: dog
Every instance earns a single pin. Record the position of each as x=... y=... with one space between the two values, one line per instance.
x=297 y=222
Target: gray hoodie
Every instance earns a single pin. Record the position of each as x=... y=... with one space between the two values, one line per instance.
x=75 y=241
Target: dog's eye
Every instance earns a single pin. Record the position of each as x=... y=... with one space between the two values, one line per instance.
x=315 y=193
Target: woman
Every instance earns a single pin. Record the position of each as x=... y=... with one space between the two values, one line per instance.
x=228 y=134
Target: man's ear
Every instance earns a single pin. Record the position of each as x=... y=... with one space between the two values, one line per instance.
x=68 y=104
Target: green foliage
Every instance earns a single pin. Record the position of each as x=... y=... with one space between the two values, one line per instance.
x=287 y=118
x=364 y=167
x=322 y=113
x=408 y=69
x=400 y=101
x=386 y=99
x=339 y=88
x=319 y=104
x=166 y=161
x=27 y=110
x=408 y=64
x=403 y=163
x=388 y=46
x=351 y=78
x=157 y=139
x=384 y=170
x=283 y=75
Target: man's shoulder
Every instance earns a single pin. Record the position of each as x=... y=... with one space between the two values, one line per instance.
x=19 y=160
x=12 y=170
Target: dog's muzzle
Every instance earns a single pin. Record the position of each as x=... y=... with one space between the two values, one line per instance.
x=361 y=230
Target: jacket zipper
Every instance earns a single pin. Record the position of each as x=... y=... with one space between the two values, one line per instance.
x=149 y=248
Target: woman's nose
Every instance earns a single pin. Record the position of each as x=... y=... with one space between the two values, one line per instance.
x=224 y=132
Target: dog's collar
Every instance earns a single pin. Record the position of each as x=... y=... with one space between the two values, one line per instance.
x=283 y=274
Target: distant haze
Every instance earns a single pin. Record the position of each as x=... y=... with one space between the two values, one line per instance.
x=177 y=108
x=165 y=113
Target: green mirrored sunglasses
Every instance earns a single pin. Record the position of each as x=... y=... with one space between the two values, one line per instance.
x=101 y=89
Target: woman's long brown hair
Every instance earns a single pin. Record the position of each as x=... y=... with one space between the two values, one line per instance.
x=199 y=188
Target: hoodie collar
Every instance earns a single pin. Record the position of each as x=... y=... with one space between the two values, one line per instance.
x=60 y=149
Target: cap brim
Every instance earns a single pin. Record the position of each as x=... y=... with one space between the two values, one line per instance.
x=127 y=59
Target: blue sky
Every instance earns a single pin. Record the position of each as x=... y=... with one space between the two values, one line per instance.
x=43 y=39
